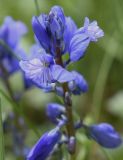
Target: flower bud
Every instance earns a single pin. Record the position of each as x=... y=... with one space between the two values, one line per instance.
x=105 y=135
x=45 y=145
x=79 y=85
x=54 y=111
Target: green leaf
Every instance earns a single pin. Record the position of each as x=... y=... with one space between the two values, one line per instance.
x=1 y=136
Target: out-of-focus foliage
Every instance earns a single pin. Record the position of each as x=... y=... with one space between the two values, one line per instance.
x=115 y=104
x=102 y=66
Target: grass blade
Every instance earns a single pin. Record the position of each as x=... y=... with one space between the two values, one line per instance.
x=1 y=135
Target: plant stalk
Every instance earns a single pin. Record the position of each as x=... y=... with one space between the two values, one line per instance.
x=2 y=151
x=67 y=103
x=37 y=7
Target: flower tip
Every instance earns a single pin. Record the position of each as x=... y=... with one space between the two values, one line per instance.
x=86 y=21
x=34 y=21
x=93 y=30
x=57 y=9
x=22 y=64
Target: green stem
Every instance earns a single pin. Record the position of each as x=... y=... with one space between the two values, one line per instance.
x=2 y=152
x=37 y=7
x=5 y=80
x=68 y=104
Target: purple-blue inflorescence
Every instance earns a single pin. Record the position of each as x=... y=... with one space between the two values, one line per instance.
x=57 y=35
x=58 y=44
x=53 y=32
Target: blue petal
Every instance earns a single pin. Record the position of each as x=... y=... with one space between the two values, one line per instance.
x=40 y=31
x=4 y=33
x=49 y=87
x=27 y=82
x=59 y=91
x=92 y=30
x=36 y=50
x=57 y=22
x=78 y=46
x=16 y=29
x=54 y=111
x=82 y=38
x=79 y=85
x=37 y=69
x=11 y=31
x=20 y=53
x=60 y=74
x=105 y=135
x=69 y=32
x=45 y=145
x=58 y=11
x=56 y=28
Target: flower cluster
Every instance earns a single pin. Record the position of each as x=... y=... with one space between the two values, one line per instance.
x=58 y=44
x=56 y=36
x=104 y=134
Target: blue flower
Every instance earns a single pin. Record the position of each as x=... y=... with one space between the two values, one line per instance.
x=91 y=29
x=43 y=71
x=36 y=52
x=55 y=30
x=79 y=85
x=105 y=135
x=45 y=145
x=49 y=29
x=82 y=37
x=54 y=112
x=10 y=33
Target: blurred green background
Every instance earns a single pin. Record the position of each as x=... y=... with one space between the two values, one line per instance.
x=102 y=67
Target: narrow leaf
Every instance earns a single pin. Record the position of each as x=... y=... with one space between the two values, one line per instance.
x=1 y=135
